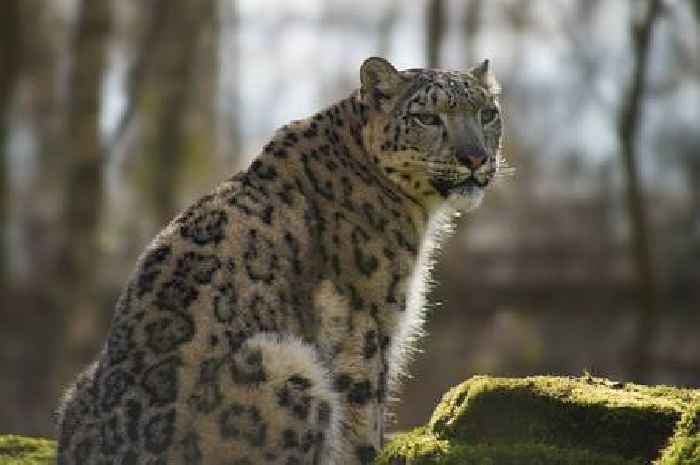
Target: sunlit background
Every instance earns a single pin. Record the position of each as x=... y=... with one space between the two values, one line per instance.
x=114 y=115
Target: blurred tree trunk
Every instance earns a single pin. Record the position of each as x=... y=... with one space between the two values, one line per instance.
x=10 y=53
x=387 y=23
x=83 y=190
x=436 y=25
x=4 y=214
x=35 y=305
x=144 y=49
x=693 y=174
x=470 y=28
x=177 y=109
x=41 y=104
x=629 y=120
x=230 y=143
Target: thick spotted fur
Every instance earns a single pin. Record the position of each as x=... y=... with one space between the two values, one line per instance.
x=270 y=321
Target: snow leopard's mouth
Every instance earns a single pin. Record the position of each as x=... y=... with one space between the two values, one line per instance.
x=465 y=196
x=469 y=186
x=476 y=181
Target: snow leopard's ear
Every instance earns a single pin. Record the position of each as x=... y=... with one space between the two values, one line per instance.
x=380 y=80
x=485 y=75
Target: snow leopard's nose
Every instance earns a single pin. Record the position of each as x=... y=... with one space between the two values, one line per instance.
x=472 y=157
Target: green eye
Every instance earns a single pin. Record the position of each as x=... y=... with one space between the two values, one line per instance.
x=427 y=119
x=488 y=115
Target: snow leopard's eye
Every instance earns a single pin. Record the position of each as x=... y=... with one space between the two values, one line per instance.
x=487 y=115
x=427 y=119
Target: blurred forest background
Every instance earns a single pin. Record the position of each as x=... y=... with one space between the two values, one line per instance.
x=114 y=115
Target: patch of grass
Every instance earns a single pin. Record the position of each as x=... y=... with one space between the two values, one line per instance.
x=19 y=450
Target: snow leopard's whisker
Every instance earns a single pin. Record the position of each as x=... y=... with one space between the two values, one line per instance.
x=432 y=164
x=438 y=168
x=505 y=172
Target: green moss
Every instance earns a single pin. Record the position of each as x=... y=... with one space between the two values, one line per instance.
x=420 y=447
x=18 y=450
x=417 y=447
x=552 y=420
x=685 y=445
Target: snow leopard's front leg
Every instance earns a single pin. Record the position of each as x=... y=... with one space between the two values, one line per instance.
x=355 y=350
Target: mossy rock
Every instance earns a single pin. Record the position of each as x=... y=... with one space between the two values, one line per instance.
x=19 y=450
x=552 y=420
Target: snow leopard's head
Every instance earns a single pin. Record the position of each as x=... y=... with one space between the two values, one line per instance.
x=435 y=133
